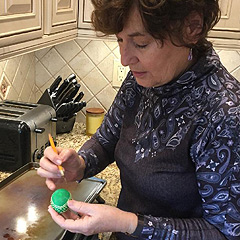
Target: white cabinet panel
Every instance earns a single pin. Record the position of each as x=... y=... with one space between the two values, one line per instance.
x=18 y=18
x=85 y=10
x=229 y=24
x=60 y=15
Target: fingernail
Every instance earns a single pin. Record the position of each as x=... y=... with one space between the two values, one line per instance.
x=59 y=162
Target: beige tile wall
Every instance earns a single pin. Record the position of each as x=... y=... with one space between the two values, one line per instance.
x=91 y=60
x=18 y=76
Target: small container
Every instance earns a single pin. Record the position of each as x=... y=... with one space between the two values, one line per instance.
x=94 y=118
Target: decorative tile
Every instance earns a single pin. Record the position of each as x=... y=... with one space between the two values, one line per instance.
x=106 y=67
x=12 y=94
x=64 y=72
x=111 y=44
x=116 y=52
x=41 y=53
x=106 y=96
x=94 y=103
x=82 y=42
x=230 y=59
x=236 y=73
x=88 y=95
x=2 y=64
x=11 y=67
x=68 y=50
x=4 y=86
x=42 y=74
x=53 y=61
x=95 y=81
x=97 y=51
x=81 y=64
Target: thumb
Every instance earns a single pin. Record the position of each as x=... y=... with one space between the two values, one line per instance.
x=80 y=207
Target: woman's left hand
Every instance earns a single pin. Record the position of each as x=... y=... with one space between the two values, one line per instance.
x=95 y=218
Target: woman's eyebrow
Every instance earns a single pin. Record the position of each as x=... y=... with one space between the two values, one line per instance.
x=136 y=34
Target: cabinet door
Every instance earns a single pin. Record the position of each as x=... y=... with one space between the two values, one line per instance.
x=20 y=20
x=229 y=24
x=85 y=10
x=60 y=15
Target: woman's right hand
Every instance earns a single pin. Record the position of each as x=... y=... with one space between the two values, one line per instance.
x=72 y=163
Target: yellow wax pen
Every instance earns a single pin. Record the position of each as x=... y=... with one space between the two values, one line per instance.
x=55 y=150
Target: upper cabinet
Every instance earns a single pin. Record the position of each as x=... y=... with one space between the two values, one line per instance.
x=226 y=34
x=60 y=15
x=20 y=21
x=85 y=10
x=85 y=29
x=29 y=25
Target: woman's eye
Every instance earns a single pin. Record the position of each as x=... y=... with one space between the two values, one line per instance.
x=140 y=46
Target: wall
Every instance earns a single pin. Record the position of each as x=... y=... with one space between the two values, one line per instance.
x=91 y=60
x=17 y=78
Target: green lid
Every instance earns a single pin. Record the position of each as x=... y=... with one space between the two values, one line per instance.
x=59 y=200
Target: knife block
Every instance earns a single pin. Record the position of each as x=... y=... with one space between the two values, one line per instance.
x=63 y=125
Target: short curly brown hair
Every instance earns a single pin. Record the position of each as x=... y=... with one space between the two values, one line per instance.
x=161 y=18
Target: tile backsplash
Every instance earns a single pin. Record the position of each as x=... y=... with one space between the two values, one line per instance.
x=25 y=78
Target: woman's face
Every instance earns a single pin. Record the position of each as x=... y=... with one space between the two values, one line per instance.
x=151 y=63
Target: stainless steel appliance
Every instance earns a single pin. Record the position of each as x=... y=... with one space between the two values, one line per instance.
x=24 y=129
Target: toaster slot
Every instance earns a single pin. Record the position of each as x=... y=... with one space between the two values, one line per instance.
x=10 y=113
x=13 y=104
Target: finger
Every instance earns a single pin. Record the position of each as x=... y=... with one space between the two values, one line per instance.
x=52 y=156
x=48 y=173
x=68 y=224
x=70 y=215
x=50 y=184
x=80 y=207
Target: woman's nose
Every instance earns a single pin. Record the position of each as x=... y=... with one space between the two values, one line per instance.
x=127 y=56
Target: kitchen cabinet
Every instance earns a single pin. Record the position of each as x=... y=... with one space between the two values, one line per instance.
x=60 y=15
x=85 y=29
x=29 y=25
x=85 y=10
x=20 y=21
x=226 y=34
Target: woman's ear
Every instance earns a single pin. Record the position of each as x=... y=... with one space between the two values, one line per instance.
x=193 y=27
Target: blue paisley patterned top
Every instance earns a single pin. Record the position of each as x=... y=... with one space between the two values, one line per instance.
x=178 y=150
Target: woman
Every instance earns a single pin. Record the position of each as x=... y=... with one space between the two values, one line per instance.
x=172 y=129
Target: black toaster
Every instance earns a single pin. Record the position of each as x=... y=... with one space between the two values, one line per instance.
x=24 y=129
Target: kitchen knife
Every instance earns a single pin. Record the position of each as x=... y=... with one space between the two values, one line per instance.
x=77 y=107
x=60 y=110
x=65 y=94
x=73 y=94
x=79 y=97
x=64 y=86
x=55 y=84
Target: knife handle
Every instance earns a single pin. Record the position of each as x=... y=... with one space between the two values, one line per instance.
x=79 y=97
x=55 y=84
x=71 y=77
x=72 y=95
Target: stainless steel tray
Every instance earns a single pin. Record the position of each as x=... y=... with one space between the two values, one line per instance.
x=24 y=199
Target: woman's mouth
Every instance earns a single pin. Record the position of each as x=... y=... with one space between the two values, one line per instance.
x=138 y=74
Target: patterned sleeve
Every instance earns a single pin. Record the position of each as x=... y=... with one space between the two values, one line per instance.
x=217 y=158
